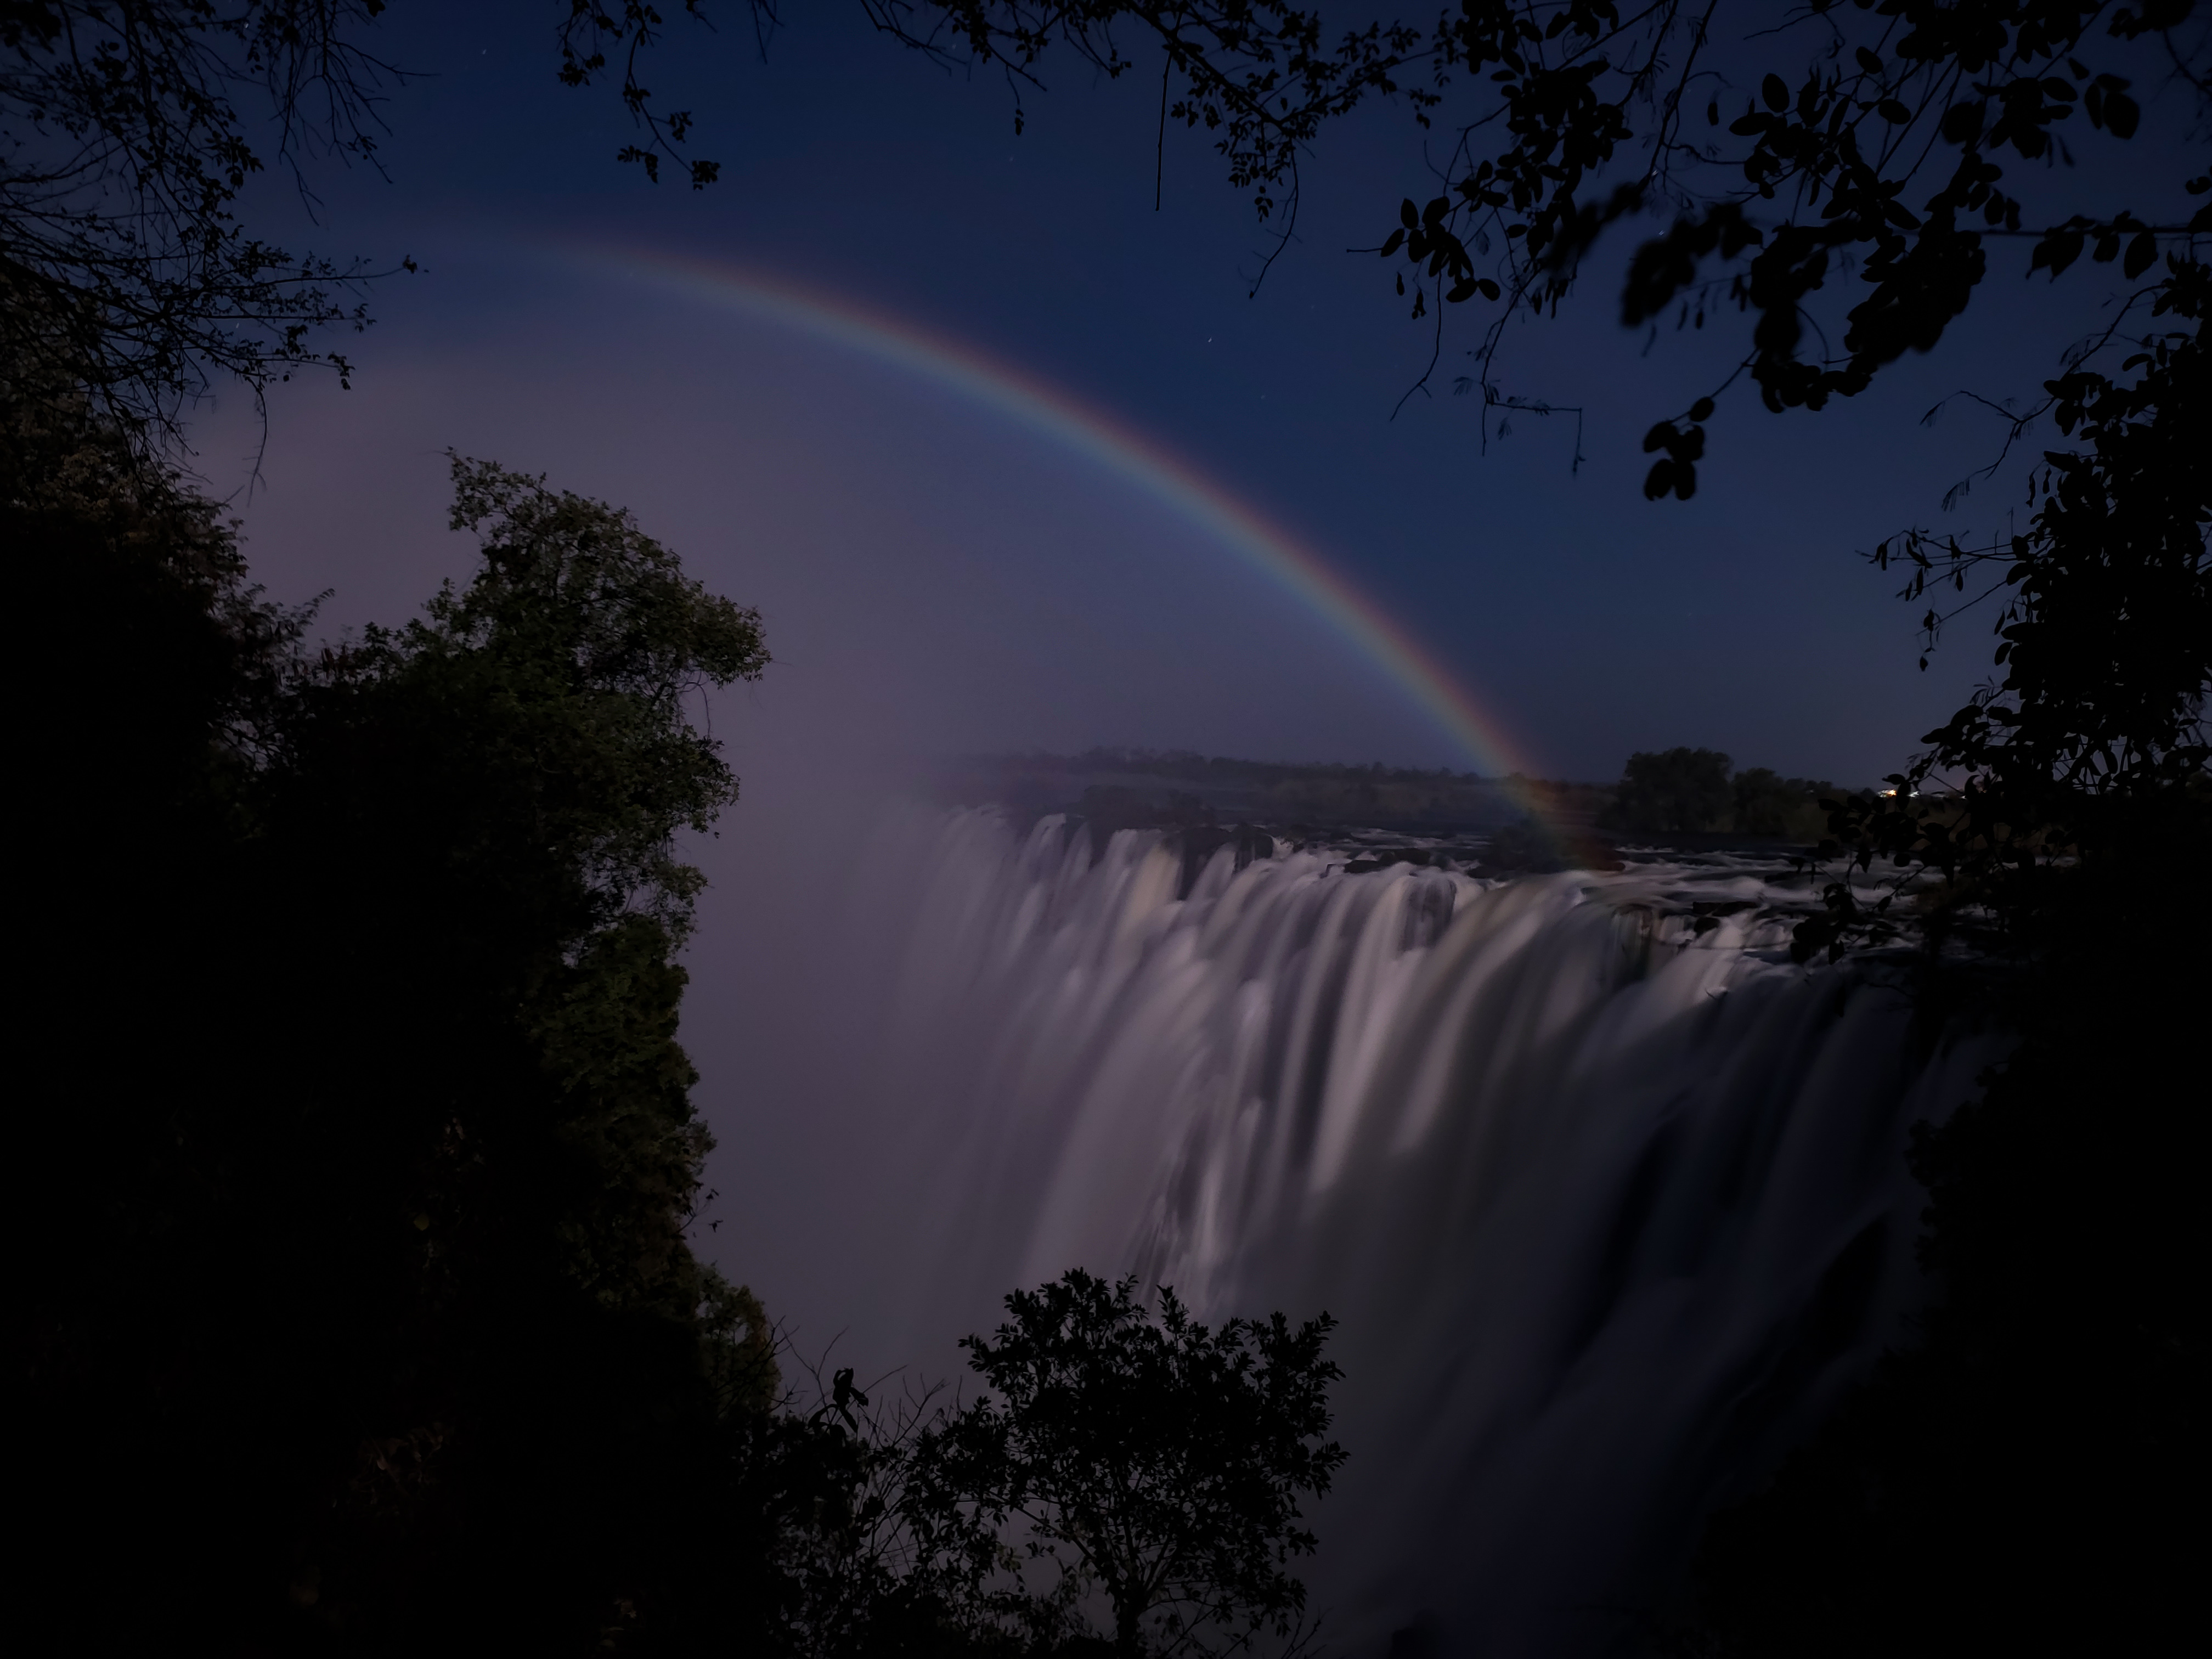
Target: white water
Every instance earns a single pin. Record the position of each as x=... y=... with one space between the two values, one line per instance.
x=1608 y=1208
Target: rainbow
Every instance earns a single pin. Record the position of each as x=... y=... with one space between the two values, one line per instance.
x=1113 y=445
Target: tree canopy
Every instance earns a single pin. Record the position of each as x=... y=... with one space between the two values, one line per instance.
x=360 y=1101
x=1679 y=791
x=124 y=145
x=1141 y=1455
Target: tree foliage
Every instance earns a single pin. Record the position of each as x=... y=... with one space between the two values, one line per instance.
x=124 y=145
x=1691 y=791
x=2092 y=745
x=1677 y=789
x=1146 y=1458
x=358 y=1308
x=131 y=129
x=2008 y=1481
x=1873 y=142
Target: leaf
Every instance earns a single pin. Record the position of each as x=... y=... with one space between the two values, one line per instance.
x=1659 y=480
x=1962 y=123
x=1408 y=214
x=1661 y=436
x=1464 y=289
x=2058 y=249
x=2122 y=114
x=1869 y=62
x=2140 y=253
x=1776 y=92
x=1809 y=937
x=1893 y=112
x=1490 y=289
x=1702 y=410
x=1396 y=240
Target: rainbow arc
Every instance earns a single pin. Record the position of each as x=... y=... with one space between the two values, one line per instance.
x=967 y=371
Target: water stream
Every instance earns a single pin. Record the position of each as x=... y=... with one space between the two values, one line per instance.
x=1607 y=1195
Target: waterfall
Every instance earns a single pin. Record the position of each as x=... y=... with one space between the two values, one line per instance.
x=1608 y=1195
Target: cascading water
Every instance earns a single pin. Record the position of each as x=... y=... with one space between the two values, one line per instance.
x=1608 y=1196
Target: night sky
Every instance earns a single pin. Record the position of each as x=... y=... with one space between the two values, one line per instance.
x=939 y=578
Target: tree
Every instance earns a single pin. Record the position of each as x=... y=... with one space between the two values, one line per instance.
x=2093 y=744
x=1677 y=790
x=358 y=1305
x=1768 y=804
x=1690 y=791
x=122 y=156
x=1583 y=99
x=1142 y=1456
x=126 y=138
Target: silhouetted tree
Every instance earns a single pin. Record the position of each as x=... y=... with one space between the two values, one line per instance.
x=125 y=143
x=1680 y=789
x=356 y=1302
x=1137 y=1455
x=1872 y=142
x=1768 y=804
x=2094 y=738
x=2008 y=1484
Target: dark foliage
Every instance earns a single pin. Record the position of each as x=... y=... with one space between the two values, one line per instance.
x=129 y=128
x=1142 y=1458
x=2094 y=741
x=2010 y=1483
x=356 y=1310
x=123 y=147
x=1767 y=803
x=1191 y=766
x=1691 y=791
x=1677 y=789
x=1873 y=143
x=2019 y=1479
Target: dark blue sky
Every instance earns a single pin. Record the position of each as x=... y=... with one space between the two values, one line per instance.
x=935 y=578
x=938 y=579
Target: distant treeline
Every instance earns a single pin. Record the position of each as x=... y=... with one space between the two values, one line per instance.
x=1692 y=790
x=1190 y=766
x=1175 y=786
x=1674 y=792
